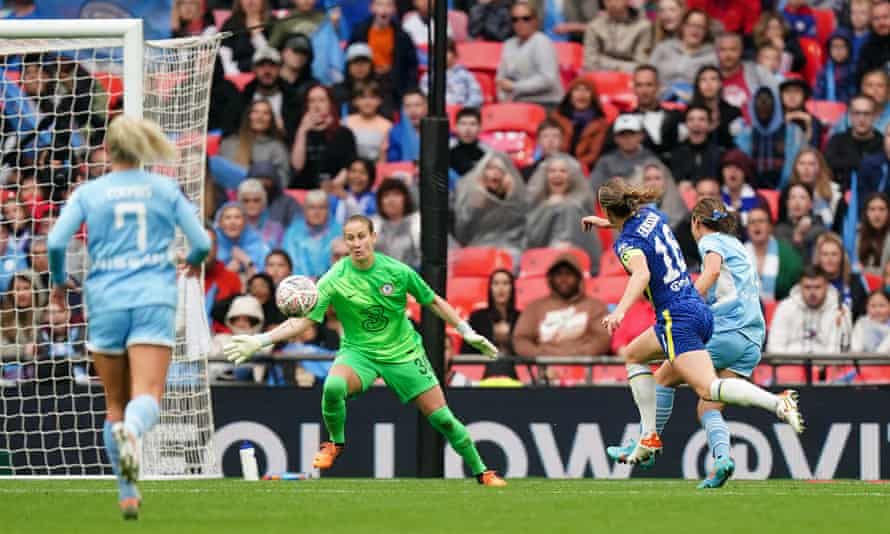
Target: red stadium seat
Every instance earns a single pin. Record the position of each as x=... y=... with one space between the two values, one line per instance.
x=467 y=293
x=458 y=23
x=873 y=374
x=609 y=374
x=478 y=261
x=413 y=309
x=615 y=88
x=608 y=289
x=873 y=280
x=12 y=75
x=769 y=308
x=772 y=200
x=529 y=289
x=827 y=111
x=815 y=55
x=213 y=141
x=486 y=85
x=690 y=197
x=520 y=146
x=241 y=79
x=570 y=57
x=394 y=169
x=113 y=85
x=220 y=16
x=297 y=194
x=610 y=265
x=825 y=24
x=451 y=111
x=480 y=55
x=512 y=117
x=536 y=261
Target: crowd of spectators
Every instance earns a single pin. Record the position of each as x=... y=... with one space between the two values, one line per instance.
x=318 y=109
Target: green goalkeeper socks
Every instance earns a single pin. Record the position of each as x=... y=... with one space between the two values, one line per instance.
x=456 y=434
x=333 y=407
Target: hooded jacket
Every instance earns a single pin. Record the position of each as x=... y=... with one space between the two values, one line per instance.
x=587 y=144
x=773 y=145
x=617 y=45
x=555 y=326
x=797 y=328
x=837 y=81
x=249 y=306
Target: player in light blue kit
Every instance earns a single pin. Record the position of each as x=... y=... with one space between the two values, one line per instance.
x=649 y=251
x=131 y=293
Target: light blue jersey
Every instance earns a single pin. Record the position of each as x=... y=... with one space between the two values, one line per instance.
x=131 y=218
x=735 y=298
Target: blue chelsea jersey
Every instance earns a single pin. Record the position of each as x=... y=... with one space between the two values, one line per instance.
x=735 y=297
x=131 y=218
x=648 y=233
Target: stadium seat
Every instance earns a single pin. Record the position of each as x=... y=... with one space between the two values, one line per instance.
x=873 y=281
x=610 y=265
x=413 y=309
x=520 y=146
x=466 y=293
x=451 y=110
x=297 y=194
x=608 y=289
x=394 y=169
x=241 y=79
x=536 y=261
x=614 y=87
x=213 y=140
x=772 y=201
x=609 y=374
x=512 y=117
x=459 y=23
x=478 y=261
x=220 y=16
x=815 y=55
x=570 y=57
x=12 y=75
x=486 y=85
x=113 y=85
x=825 y=24
x=827 y=111
x=873 y=374
x=529 y=289
x=480 y=55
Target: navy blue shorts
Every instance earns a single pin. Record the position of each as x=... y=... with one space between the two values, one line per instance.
x=684 y=327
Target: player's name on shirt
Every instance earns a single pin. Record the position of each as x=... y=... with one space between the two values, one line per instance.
x=118 y=263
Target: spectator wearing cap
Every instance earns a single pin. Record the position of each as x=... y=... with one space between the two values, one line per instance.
x=360 y=69
x=618 y=38
x=269 y=85
x=281 y=207
x=736 y=174
x=258 y=139
x=875 y=53
x=490 y=20
x=461 y=87
x=740 y=77
x=303 y=19
x=846 y=150
x=238 y=49
x=392 y=51
x=252 y=197
x=770 y=141
x=528 y=70
x=296 y=64
x=837 y=80
x=629 y=156
x=308 y=240
x=699 y=155
x=795 y=92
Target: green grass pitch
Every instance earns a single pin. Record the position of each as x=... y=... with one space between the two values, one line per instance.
x=454 y=506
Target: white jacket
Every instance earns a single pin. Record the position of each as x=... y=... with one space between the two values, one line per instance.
x=797 y=328
x=870 y=336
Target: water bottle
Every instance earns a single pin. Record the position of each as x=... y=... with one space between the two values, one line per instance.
x=249 y=468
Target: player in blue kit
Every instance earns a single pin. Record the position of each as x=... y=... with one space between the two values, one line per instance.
x=649 y=251
x=131 y=293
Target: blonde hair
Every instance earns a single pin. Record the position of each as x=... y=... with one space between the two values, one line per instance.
x=822 y=186
x=622 y=200
x=660 y=34
x=759 y=32
x=831 y=238
x=132 y=140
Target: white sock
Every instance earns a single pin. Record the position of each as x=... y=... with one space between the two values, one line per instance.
x=642 y=385
x=743 y=393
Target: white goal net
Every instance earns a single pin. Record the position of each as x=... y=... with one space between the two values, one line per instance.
x=57 y=95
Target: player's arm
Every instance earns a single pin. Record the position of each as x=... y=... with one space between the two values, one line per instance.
x=69 y=221
x=242 y=348
x=635 y=261
x=710 y=272
x=187 y=219
x=447 y=313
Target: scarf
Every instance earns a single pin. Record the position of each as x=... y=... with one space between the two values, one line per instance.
x=770 y=269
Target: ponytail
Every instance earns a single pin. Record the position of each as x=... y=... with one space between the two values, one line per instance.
x=132 y=140
x=712 y=213
x=621 y=200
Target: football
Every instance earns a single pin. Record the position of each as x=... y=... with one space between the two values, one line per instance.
x=296 y=295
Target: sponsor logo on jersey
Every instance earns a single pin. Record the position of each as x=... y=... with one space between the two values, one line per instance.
x=386 y=289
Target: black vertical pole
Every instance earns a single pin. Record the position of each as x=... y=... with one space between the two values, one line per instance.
x=434 y=229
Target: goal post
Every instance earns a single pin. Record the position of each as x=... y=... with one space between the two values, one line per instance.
x=61 y=82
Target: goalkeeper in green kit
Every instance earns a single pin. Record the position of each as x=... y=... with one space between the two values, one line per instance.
x=368 y=291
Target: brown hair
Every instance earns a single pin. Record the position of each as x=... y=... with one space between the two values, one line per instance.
x=247 y=137
x=621 y=200
x=361 y=218
x=712 y=213
x=760 y=28
x=871 y=239
x=831 y=238
x=822 y=186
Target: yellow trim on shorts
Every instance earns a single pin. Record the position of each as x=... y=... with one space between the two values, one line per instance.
x=668 y=334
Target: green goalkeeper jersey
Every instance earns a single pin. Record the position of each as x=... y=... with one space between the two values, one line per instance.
x=371 y=304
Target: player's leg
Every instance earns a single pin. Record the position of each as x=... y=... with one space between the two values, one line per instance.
x=431 y=404
x=350 y=375
x=717 y=431
x=148 y=377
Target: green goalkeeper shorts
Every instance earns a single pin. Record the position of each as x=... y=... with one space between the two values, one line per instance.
x=408 y=379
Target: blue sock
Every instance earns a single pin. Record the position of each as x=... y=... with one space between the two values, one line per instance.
x=124 y=489
x=717 y=431
x=664 y=405
x=141 y=414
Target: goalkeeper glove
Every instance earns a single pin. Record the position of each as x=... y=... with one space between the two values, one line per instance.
x=476 y=340
x=242 y=348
